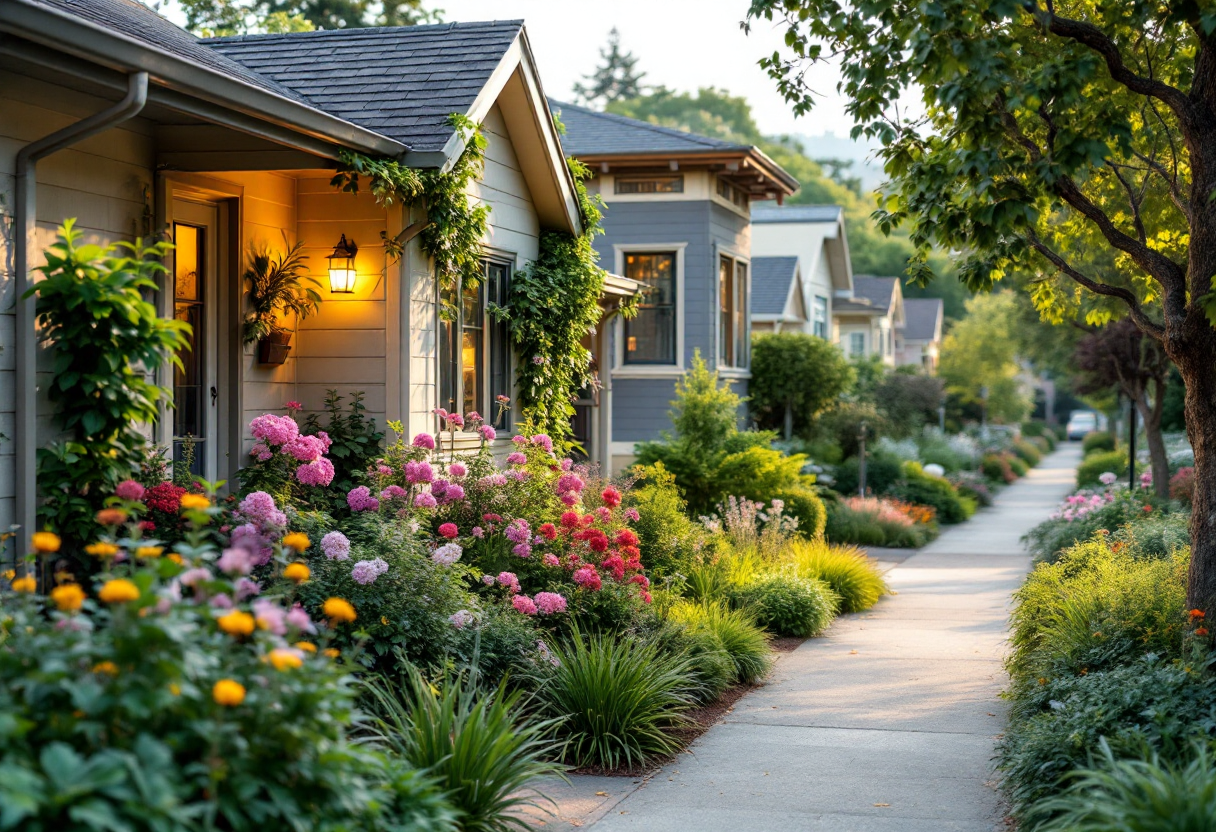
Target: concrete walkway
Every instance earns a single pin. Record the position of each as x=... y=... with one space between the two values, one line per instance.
x=886 y=723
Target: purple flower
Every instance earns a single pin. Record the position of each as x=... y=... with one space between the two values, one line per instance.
x=567 y=464
x=519 y=440
x=478 y=532
x=336 y=546
x=487 y=433
x=551 y=560
x=366 y=571
x=419 y=472
x=516 y=459
x=270 y=616
x=194 y=576
x=298 y=619
x=632 y=514
x=524 y=604
x=306 y=448
x=453 y=494
x=393 y=492
x=493 y=480
x=524 y=550
x=246 y=588
x=517 y=474
x=508 y=580
x=457 y=469
x=544 y=441
x=518 y=531
x=424 y=440
x=488 y=580
x=260 y=451
x=425 y=500
x=238 y=561
x=361 y=499
x=259 y=508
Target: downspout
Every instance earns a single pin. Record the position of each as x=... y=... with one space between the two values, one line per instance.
x=26 y=210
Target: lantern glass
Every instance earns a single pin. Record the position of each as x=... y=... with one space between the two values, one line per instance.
x=342 y=273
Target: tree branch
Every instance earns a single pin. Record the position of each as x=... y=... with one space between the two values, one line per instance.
x=1147 y=325
x=1141 y=234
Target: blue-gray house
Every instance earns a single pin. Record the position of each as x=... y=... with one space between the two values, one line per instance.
x=678 y=221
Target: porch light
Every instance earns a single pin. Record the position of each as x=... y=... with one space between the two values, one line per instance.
x=342 y=267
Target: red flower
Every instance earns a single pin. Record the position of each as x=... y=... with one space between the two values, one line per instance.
x=147 y=526
x=611 y=497
x=165 y=497
x=615 y=565
x=640 y=580
x=626 y=537
x=1201 y=631
x=588 y=520
x=548 y=531
x=645 y=596
x=597 y=541
x=631 y=552
x=1196 y=613
x=449 y=530
x=490 y=518
x=570 y=519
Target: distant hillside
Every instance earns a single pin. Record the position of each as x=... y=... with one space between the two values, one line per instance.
x=860 y=152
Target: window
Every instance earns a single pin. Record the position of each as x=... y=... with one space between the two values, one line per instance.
x=857 y=343
x=732 y=312
x=650 y=184
x=732 y=193
x=475 y=349
x=650 y=337
x=819 y=316
x=189 y=377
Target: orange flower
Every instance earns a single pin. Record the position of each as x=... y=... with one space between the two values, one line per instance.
x=297 y=572
x=194 y=501
x=306 y=646
x=228 y=693
x=45 y=542
x=68 y=597
x=106 y=668
x=284 y=659
x=149 y=551
x=102 y=549
x=1201 y=631
x=26 y=584
x=236 y=623
x=118 y=591
x=176 y=558
x=297 y=540
x=332 y=652
x=339 y=610
x=1196 y=613
x=111 y=516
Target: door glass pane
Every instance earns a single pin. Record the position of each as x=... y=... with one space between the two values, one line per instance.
x=449 y=364
x=650 y=338
x=189 y=380
x=726 y=297
x=472 y=365
x=497 y=277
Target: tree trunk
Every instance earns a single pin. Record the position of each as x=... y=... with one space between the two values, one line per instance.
x=1159 y=461
x=1196 y=361
x=789 y=422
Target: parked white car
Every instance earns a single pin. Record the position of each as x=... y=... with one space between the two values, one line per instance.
x=1081 y=422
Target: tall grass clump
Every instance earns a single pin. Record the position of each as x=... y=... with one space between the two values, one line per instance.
x=477 y=744
x=735 y=631
x=846 y=569
x=615 y=700
x=874 y=521
x=788 y=605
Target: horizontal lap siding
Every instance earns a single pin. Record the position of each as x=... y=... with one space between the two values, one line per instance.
x=100 y=181
x=640 y=408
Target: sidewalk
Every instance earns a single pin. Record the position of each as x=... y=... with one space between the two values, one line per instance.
x=885 y=723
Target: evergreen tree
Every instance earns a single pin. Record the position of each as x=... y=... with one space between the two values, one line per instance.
x=616 y=79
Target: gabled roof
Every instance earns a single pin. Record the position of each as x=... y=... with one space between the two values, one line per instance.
x=401 y=81
x=771 y=281
x=796 y=213
x=923 y=318
x=877 y=290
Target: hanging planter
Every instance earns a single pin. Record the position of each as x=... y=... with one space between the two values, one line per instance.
x=274 y=347
x=277 y=287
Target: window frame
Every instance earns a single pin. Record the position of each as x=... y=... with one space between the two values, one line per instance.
x=676 y=178
x=816 y=307
x=620 y=368
x=735 y=324
x=852 y=340
x=494 y=347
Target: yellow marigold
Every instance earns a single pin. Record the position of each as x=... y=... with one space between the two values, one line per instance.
x=228 y=692
x=332 y=652
x=68 y=597
x=175 y=689
x=9 y=574
x=306 y=646
x=45 y=542
x=194 y=501
x=149 y=551
x=111 y=516
x=176 y=558
x=297 y=572
x=236 y=623
x=102 y=549
x=297 y=540
x=284 y=659
x=26 y=584
x=118 y=591
x=108 y=668
x=339 y=610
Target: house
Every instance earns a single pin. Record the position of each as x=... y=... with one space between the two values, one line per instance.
x=815 y=235
x=865 y=325
x=230 y=144
x=779 y=302
x=919 y=341
x=678 y=221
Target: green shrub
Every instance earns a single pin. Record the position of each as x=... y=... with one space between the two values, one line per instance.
x=873 y=522
x=669 y=540
x=1034 y=427
x=1098 y=463
x=1018 y=467
x=1157 y=535
x=795 y=376
x=788 y=605
x=881 y=474
x=1096 y=441
x=1050 y=538
x=478 y=744
x=923 y=489
x=803 y=504
x=1152 y=795
x=615 y=700
x=743 y=642
x=1057 y=725
x=1042 y=444
x=996 y=468
x=852 y=576
x=1027 y=452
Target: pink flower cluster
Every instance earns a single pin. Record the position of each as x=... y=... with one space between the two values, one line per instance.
x=360 y=499
x=367 y=571
x=283 y=433
x=1082 y=504
x=336 y=546
x=274 y=430
x=569 y=488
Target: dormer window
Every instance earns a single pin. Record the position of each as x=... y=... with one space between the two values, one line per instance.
x=731 y=193
x=666 y=184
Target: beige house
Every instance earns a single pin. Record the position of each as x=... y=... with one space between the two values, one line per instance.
x=918 y=342
x=866 y=324
x=116 y=117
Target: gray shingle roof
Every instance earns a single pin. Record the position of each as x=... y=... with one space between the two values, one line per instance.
x=401 y=81
x=771 y=279
x=590 y=132
x=877 y=290
x=795 y=213
x=860 y=306
x=921 y=318
x=141 y=24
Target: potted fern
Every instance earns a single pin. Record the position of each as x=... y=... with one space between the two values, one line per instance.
x=277 y=287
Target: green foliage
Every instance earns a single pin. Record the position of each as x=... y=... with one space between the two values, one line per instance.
x=734 y=632
x=277 y=288
x=1098 y=463
x=211 y=18
x=1027 y=452
x=881 y=475
x=788 y=605
x=1097 y=440
x=91 y=306
x=1016 y=465
x=980 y=353
x=1050 y=538
x=615 y=698
x=841 y=426
x=852 y=576
x=480 y=747
x=667 y=537
x=996 y=468
x=1157 y=535
x=919 y=488
x=1152 y=795
x=909 y=402
x=804 y=505
x=864 y=525
x=795 y=377
x=616 y=78
x=354 y=443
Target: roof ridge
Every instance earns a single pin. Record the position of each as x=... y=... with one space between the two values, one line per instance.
x=648 y=125
x=366 y=30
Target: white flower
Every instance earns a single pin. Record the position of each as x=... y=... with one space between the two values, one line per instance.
x=447 y=554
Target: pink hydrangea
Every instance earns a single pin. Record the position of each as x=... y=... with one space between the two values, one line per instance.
x=383 y=470
x=488 y=433
x=587 y=577
x=361 y=499
x=508 y=580
x=274 y=430
x=305 y=448
x=516 y=458
x=519 y=440
x=424 y=440
x=524 y=550
x=270 y=616
x=453 y=493
x=493 y=481
x=419 y=472
x=478 y=532
x=260 y=452
x=518 y=531
x=632 y=514
x=259 y=508
x=569 y=482
x=550 y=559
x=129 y=490
x=461 y=619
x=298 y=619
x=336 y=546
x=425 y=500
x=319 y=472
x=367 y=571
x=237 y=561
x=458 y=470
x=393 y=492
x=548 y=603
x=524 y=604
x=570 y=498
x=544 y=442
x=221 y=601
x=455 y=420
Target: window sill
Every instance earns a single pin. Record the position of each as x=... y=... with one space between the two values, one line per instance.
x=734 y=372
x=648 y=371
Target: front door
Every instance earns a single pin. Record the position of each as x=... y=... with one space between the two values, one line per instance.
x=195 y=301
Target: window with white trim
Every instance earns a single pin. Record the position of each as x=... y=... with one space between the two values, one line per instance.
x=732 y=312
x=819 y=316
x=475 y=349
x=857 y=344
x=650 y=336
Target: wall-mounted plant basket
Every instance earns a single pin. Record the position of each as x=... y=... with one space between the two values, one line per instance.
x=274 y=347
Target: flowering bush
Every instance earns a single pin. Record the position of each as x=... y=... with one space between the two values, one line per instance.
x=1088 y=511
x=175 y=693
x=287 y=464
x=879 y=521
x=1182 y=485
x=752 y=525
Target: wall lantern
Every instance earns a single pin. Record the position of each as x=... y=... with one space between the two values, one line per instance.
x=342 y=267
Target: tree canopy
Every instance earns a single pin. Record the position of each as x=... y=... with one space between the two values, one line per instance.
x=981 y=354
x=616 y=78
x=239 y=17
x=795 y=377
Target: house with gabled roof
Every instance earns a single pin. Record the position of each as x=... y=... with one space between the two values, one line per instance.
x=865 y=324
x=918 y=342
x=779 y=301
x=678 y=219
x=116 y=117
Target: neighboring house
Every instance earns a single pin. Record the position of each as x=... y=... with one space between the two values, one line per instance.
x=815 y=235
x=231 y=143
x=778 y=296
x=865 y=325
x=919 y=341
x=678 y=221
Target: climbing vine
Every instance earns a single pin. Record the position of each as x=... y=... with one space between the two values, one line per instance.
x=454 y=228
x=552 y=306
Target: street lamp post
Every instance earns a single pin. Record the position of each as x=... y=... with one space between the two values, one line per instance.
x=861 y=468
x=984 y=412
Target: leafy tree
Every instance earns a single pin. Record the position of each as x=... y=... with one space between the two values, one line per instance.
x=980 y=354
x=616 y=78
x=213 y=18
x=795 y=377
x=1120 y=356
x=1053 y=137
x=909 y=400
